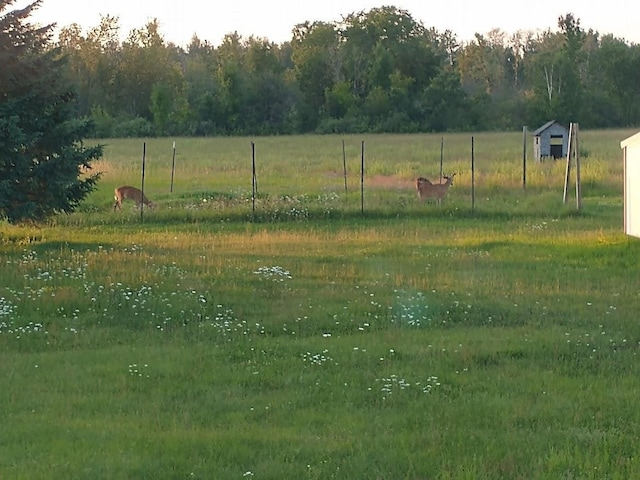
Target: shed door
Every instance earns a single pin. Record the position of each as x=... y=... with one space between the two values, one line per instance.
x=556 y=146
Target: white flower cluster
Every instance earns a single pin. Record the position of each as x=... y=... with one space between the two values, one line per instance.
x=276 y=273
x=316 y=358
x=136 y=370
x=393 y=383
x=6 y=307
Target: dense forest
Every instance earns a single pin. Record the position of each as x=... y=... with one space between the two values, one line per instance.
x=374 y=71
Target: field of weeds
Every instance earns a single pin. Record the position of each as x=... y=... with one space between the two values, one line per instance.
x=310 y=330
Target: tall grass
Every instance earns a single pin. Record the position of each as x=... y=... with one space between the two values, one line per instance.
x=308 y=339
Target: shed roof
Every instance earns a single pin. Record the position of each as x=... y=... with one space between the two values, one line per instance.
x=632 y=140
x=544 y=127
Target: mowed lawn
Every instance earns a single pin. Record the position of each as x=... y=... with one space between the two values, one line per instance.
x=274 y=318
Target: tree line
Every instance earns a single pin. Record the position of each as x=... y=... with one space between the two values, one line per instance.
x=374 y=71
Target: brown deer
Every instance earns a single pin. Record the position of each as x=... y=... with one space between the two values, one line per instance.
x=426 y=189
x=130 y=193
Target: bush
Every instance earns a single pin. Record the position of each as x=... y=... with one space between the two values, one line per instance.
x=103 y=122
x=133 y=128
x=398 y=122
x=343 y=125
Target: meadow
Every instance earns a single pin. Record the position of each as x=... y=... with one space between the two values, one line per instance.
x=317 y=331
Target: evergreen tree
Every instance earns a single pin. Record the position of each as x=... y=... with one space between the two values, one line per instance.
x=44 y=167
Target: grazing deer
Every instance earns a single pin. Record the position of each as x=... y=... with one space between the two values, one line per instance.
x=426 y=189
x=130 y=193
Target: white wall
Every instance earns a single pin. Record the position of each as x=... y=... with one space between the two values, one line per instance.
x=631 y=157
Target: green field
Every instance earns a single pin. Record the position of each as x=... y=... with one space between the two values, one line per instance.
x=317 y=333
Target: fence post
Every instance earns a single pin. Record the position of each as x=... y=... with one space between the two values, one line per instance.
x=524 y=158
x=441 y=157
x=473 y=176
x=254 y=183
x=344 y=166
x=144 y=155
x=362 y=177
x=173 y=166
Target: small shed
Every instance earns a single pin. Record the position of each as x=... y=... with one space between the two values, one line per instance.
x=631 y=158
x=550 y=140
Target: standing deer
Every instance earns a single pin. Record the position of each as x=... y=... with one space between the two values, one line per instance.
x=426 y=189
x=130 y=193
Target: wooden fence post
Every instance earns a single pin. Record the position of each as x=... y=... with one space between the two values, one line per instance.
x=144 y=155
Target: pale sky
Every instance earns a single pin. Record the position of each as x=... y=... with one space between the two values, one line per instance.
x=179 y=20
